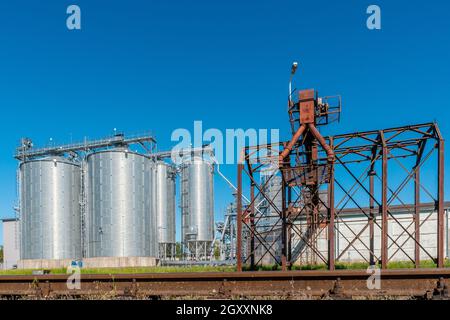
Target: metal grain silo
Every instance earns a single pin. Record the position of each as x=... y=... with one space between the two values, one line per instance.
x=197 y=205
x=165 y=208
x=50 y=220
x=120 y=220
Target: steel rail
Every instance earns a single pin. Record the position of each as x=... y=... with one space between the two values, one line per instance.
x=424 y=283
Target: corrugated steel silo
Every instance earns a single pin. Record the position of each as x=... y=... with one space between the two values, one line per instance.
x=165 y=208
x=120 y=217
x=50 y=220
x=197 y=205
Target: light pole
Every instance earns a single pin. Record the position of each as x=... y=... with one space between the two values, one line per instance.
x=293 y=69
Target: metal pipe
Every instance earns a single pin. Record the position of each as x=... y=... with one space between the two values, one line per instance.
x=293 y=69
x=323 y=143
x=214 y=160
x=290 y=90
x=293 y=141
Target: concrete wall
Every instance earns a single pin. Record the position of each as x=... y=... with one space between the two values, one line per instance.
x=43 y=263
x=102 y=262
x=11 y=245
x=119 y=262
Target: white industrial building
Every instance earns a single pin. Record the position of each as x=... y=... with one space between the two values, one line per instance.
x=351 y=223
x=11 y=244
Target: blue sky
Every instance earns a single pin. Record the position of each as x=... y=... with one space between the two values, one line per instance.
x=160 y=65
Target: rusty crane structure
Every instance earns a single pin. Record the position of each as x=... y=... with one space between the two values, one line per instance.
x=368 y=172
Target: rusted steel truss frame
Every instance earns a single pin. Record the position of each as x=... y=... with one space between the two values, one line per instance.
x=377 y=146
x=421 y=283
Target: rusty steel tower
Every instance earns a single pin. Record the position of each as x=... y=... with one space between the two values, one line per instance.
x=370 y=173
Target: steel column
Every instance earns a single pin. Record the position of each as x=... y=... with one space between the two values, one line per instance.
x=289 y=228
x=252 y=226
x=371 y=219
x=284 y=245
x=384 y=209
x=440 y=205
x=417 y=217
x=239 y=218
x=331 y=217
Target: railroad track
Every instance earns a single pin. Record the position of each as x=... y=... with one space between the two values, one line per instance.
x=342 y=284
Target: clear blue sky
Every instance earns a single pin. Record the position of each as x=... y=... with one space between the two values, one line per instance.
x=160 y=65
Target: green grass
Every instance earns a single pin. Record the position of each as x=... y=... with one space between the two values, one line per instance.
x=128 y=270
x=310 y=267
x=16 y=272
x=409 y=264
x=167 y=269
x=354 y=266
x=159 y=269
